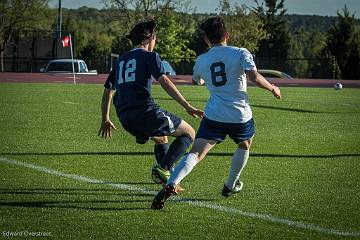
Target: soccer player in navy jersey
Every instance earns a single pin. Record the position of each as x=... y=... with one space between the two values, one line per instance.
x=139 y=115
x=225 y=70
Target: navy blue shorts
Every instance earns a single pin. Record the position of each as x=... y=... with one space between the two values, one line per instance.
x=150 y=121
x=213 y=130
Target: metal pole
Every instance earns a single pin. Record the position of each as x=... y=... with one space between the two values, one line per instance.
x=334 y=67
x=59 y=27
x=72 y=58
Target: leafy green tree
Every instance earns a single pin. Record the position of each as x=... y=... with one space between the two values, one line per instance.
x=171 y=44
x=325 y=66
x=305 y=47
x=296 y=51
x=96 y=50
x=98 y=45
x=90 y=29
x=171 y=27
x=18 y=15
x=352 y=68
x=272 y=16
x=197 y=43
x=246 y=29
x=120 y=44
x=344 y=43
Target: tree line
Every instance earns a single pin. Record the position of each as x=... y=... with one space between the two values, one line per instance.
x=294 y=43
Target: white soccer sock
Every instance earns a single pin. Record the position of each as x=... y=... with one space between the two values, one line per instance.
x=238 y=163
x=182 y=169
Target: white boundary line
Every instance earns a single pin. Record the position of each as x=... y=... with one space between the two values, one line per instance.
x=73 y=103
x=265 y=217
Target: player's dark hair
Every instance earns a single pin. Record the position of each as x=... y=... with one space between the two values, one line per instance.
x=214 y=29
x=142 y=31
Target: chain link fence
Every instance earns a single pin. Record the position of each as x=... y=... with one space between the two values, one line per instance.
x=31 y=51
x=298 y=68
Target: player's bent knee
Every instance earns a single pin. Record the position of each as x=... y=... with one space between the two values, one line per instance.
x=192 y=133
x=186 y=129
x=160 y=140
x=199 y=154
x=245 y=145
x=200 y=157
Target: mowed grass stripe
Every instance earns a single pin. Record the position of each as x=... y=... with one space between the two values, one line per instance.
x=129 y=187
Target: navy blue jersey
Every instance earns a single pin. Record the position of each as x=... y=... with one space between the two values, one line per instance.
x=131 y=78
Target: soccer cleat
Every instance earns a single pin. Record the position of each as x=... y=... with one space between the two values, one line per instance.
x=178 y=189
x=162 y=196
x=226 y=192
x=159 y=175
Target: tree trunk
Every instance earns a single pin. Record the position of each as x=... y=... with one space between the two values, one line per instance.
x=4 y=41
x=2 y=61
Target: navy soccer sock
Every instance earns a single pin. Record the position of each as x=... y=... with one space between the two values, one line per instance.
x=176 y=151
x=160 y=151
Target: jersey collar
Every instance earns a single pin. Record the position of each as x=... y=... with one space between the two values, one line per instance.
x=137 y=49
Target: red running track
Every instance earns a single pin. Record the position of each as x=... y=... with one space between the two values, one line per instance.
x=11 y=77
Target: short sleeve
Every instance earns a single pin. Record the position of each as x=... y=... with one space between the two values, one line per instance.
x=196 y=76
x=110 y=81
x=156 y=66
x=247 y=60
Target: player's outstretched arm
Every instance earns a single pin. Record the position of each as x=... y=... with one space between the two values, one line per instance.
x=173 y=92
x=106 y=124
x=257 y=78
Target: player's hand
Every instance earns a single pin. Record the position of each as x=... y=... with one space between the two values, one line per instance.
x=276 y=92
x=105 y=129
x=194 y=112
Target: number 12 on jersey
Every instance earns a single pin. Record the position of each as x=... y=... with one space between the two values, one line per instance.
x=129 y=71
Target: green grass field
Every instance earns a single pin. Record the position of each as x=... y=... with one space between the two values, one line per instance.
x=302 y=180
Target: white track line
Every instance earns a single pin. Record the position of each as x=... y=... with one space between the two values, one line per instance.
x=74 y=103
x=265 y=217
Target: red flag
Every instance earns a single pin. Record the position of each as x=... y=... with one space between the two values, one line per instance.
x=66 y=41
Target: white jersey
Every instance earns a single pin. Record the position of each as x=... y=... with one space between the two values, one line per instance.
x=223 y=70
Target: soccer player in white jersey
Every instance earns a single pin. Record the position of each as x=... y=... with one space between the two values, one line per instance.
x=225 y=70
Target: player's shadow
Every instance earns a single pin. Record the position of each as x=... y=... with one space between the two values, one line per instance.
x=287 y=109
x=120 y=201
x=77 y=153
x=297 y=109
x=254 y=154
x=263 y=106
x=75 y=192
x=113 y=204
x=86 y=205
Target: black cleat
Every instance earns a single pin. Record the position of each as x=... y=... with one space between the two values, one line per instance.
x=226 y=192
x=162 y=196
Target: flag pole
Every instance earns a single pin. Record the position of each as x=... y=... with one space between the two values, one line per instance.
x=72 y=59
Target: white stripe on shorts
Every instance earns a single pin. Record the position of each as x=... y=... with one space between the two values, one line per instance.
x=170 y=123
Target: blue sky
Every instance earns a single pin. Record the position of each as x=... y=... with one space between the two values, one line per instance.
x=309 y=7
